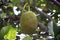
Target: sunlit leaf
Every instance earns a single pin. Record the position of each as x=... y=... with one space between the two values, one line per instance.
x=4 y=31
x=11 y=35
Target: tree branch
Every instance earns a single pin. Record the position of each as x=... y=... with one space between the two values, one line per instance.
x=42 y=13
x=56 y=2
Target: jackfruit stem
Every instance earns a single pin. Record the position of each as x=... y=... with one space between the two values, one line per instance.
x=25 y=5
x=28 y=8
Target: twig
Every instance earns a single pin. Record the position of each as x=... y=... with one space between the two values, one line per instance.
x=42 y=13
x=56 y=2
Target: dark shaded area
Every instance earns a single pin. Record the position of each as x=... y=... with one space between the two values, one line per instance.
x=56 y=2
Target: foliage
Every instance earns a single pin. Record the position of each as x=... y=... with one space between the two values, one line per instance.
x=27 y=38
x=11 y=35
x=9 y=21
x=7 y=33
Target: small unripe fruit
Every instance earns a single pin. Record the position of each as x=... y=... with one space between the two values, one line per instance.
x=28 y=22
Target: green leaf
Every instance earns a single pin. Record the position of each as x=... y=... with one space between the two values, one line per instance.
x=11 y=35
x=28 y=38
x=10 y=5
x=42 y=38
x=15 y=2
x=8 y=32
x=54 y=27
x=4 y=31
x=4 y=15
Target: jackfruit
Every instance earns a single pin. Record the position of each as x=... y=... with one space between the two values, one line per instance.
x=28 y=22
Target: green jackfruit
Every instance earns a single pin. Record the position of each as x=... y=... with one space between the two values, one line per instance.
x=28 y=22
